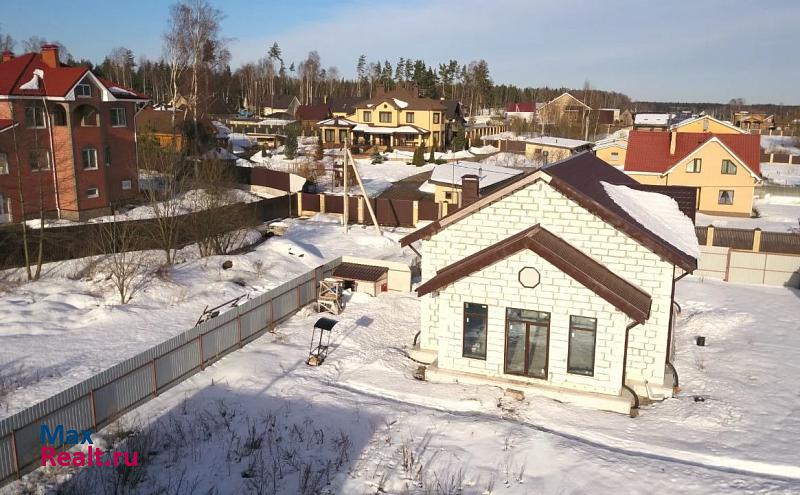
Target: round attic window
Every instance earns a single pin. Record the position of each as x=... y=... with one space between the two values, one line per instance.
x=529 y=277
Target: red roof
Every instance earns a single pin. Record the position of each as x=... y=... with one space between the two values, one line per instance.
x=57 y=81
x=649 y=151
x=527 y=106
x=312 y=112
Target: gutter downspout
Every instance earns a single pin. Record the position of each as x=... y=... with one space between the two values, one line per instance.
x=49 y=124
x=668 y=360
x=625 y=365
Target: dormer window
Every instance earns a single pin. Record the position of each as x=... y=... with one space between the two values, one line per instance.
x=83 y=90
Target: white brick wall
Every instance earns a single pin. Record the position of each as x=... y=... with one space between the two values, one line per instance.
x=540 y=203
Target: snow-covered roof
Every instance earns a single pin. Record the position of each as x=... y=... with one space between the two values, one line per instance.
x=659 y=214
x=275 y=122
x=223 y=131
x=488 y=175
x=403 y=129
x=337 y=121
x=220 y=154
x=651 y=119
x=557 y=142
x=400 y=103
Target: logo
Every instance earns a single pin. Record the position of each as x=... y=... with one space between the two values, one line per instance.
x=60 y=436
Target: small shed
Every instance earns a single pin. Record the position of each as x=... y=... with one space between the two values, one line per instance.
x=369 y=279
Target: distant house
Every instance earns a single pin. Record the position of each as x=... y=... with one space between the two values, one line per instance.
x=166 y=127
x=342 y=106
x=563 y=108
x=269 y=131
x=309 y=115
x=612 y=150
x=548 y=149
x=280 y=103
x=560 y=283
x=336 y=131
x=651 y=121
x=706 y=123
x=448 y=180
x=608 y=116
x=521 y=110
x=754 y=122
x=724 y=167
x=67 y=135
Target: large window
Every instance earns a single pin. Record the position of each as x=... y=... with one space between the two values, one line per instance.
x=409 y=117
x=476 y=323
x=385 y=117
x=436 y=117
x=83 y=90
x=89 y=117
x=342 y=135
x=118 y=118
x=39 y=159
x=693 y=167
x=3 y=163
x=89 y=158
x=329 y=135
x=34 y=115
x=59 y=116
x=582 y=334
x=367 y=116
x=527 y=335
x=728 y=167
x=725 y=197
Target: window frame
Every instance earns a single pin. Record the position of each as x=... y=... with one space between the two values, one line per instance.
x=719 y=197
x=87 y=111
x=96 y=193
x=615 y=155
x=4 y=166
x=409 y=117
x=130 y=184
x=437 y=117
x=573 y=328
x=78 y=94
x=92 y=153
x=31 y=121
x=528 y=323
x=485 y=316
x=119 y=111
x=58 y=111
x=726 y=170
x=381 y=115
x=367 y=115
x=329 y=135
x=692 y=169
x=46 y=154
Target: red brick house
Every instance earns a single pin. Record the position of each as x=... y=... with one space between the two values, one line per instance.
x=67 y=137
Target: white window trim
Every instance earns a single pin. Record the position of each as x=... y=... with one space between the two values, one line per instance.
x=96 y=192
x=44 y=119
x=124 y=117
x=80 y=95
x=95 y=158
x=49 y=165
x=130 y=185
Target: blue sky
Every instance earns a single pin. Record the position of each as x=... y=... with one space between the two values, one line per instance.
x=707 y=50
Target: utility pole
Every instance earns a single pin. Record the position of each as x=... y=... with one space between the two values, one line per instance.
x=345 y=199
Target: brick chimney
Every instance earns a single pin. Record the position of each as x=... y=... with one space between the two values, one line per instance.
x=470 y=190
x=673 y=138
x=7 y=55
x=50 y=55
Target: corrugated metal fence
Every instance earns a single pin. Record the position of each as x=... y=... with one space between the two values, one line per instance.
x=99 y=400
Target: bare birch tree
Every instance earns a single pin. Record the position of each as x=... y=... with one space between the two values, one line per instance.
x=117 y=240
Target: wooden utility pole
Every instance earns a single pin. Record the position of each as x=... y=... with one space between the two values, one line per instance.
x=345 y=199
x=349 y=161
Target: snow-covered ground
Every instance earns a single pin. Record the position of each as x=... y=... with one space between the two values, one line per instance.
x=780 y=144
x=511 y=160
x=361 y=424
x=787 y=175
x=68 y=326
x=778 y=214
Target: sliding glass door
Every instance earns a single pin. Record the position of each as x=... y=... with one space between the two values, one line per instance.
x=527 y=339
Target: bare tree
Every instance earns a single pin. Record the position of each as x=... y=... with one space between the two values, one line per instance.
x=6 y=43
x=117 y=240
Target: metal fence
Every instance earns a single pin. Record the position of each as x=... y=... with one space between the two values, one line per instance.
x=99 y=400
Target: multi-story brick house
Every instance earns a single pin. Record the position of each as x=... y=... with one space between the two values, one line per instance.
x=68 y=142
x=560 y=283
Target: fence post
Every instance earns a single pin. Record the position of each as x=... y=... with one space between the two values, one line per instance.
x=14 y=459
x=239 y=327
x=155 y=381
x=710 y=235
x=299 y=203
x=361 y=209
x=322 y=203
x=94 y=409
x=415 y=214
x=202 y=360
x=444 y=209
x=757 y=239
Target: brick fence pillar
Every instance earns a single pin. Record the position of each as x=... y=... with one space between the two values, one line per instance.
x=710 y=235
x=756 y=240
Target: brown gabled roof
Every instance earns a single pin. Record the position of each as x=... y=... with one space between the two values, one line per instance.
x=624 y=296
x=579 y=178
x=357 y=271
x=313 y=112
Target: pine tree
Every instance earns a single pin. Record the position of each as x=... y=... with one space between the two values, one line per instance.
x=419 y=157
x=319 y=153
x=290 y=146
x=432 y=158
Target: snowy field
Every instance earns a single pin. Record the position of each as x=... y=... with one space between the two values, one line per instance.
x=75 y=309
x=780 y=144
x=777 y=215
x=361 y=424
x=787 y=175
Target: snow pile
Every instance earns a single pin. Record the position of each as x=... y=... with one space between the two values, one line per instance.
x=776 y=214
x=659 y=214
x=223 y=131
x=483 y=150
x=400 y=103
x=780 y=144
x=788 y=175
x=241 y=140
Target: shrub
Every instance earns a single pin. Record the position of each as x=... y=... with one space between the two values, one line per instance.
x=419 y=157
x=376 y=156
x=355 y=149
x=755 y=213
x=440 y=161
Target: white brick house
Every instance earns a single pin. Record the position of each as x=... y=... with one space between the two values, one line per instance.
x=551 y=285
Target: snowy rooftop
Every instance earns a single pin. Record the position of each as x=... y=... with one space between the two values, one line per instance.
x=651 y=119
x=659 y=214
x=558 y=142
x=452 y=173
x=403 y=129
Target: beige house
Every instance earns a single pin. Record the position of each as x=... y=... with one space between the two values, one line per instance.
x=724 y=167
x=549 y=287
x=564 y=107
x=280 y=104
x=399 y=118
x=612 y=150
x=548 y=149
x=706 y=123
